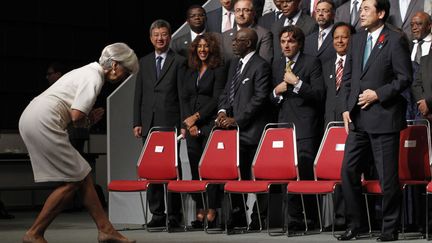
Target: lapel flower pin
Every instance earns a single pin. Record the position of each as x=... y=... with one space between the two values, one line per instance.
x=381 y=39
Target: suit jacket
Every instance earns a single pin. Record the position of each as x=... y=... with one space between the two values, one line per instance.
x=305 y=23
x=181 y=44
x=385 y=72
x=303 y=109
x=264 y=45
x=202 y=95
x=422 y=85
x=267 y=20
x=396 y=19
x=157 y=101
x=251 y=104
x=331 y=95
x=326 y=50
x=343 y=14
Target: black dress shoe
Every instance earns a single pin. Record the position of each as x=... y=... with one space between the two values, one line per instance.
x=156 y=223
x=388 y=237
x=196 y=224
x=351 y=234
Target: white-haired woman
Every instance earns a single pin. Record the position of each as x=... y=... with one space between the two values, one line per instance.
x=43 y=128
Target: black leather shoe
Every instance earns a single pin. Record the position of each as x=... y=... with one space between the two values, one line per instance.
x=197 y=224
x=351 y=234
x=156 y=223
x=388 y=237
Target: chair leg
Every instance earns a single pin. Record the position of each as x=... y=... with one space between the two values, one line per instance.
x=166 y=207
x=368 y=216
x=205 y=209
x=144 y=210
x=184 y=212
x=319 y=212
x=427 y=216
x=403 y=213
x=304 y=214
x=259 y=214
x=334 y=214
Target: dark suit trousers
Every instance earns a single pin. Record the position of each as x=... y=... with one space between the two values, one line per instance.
x=385 y=149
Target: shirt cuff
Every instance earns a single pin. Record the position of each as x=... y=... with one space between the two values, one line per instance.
x=279 y=97
x=297 y=86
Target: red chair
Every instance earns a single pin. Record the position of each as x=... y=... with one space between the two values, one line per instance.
x=219 y=164
x=157 y=164
x=275 y=163
x=414 y=162
x=327 y=169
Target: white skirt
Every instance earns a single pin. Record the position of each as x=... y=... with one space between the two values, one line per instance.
x=43 y=128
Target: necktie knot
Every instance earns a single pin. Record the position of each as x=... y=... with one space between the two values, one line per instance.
x=288 y=66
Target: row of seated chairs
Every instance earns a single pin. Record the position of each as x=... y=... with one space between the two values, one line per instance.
x=275 y=163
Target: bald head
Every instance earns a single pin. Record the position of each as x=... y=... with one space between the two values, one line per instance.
x=252 y=36
x=420 y=25
x=244 y=42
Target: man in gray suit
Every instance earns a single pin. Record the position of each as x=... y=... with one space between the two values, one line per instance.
x=244 y=16
x=292 y=15
x=349 y=12
x=408 y=10
x=319 y=43
x=196 y=19
x=157 y=103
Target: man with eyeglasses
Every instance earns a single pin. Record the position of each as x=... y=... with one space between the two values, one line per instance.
x=158 y=88
x=196 y=19
x=244 y=102
x=319 y=43
x=292 y=15
x=244 y=11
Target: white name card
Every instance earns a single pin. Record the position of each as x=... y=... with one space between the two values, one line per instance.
x=159 y=149
x=340 y=147
x=277 y=144
x=410 y=143
x=220 y=145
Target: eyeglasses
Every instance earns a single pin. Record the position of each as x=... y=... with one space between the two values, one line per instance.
x=238 y=40
x=192 y=16
x=242 y=10
x=163 y=35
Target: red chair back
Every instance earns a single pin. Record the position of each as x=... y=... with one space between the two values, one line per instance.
x=328 y=162
x=276 y=156
x=158 y=159
x=220 y=159
x=414 y=152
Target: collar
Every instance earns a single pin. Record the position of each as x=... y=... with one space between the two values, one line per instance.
x=338 y=57
x=224 y=11
x=295 y=17
x=246 y=58
x=194 y=34
x=326 y=30
x=428 y=38
x=376 y=34
x=163 y=55
x=294 y=59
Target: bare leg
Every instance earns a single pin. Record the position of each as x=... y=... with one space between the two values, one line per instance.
x=52 y=207
x=91 y=202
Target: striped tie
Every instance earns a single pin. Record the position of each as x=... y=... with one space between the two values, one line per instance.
x=234 y=82
x=339 y=72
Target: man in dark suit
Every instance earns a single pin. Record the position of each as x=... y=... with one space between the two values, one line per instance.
x=332 y=74
x=374 y=114
x=299 y=94
x=244 y=102
x=221 y=19
x=349 y=12
x=157 y=103
x=269 y=18
x=404 y=22
x=319 y=43
x=292 y=15
x=244 y=16
x=422 y=87
x=196 y=19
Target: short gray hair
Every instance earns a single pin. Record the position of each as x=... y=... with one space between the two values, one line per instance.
x=121 y=53
x=160 y=23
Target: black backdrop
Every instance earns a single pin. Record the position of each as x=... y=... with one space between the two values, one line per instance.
x=35 y=33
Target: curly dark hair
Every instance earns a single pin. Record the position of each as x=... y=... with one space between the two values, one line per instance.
x=214 y=59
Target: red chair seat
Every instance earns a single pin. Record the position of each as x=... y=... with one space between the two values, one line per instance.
x=429 y=187
x=187 y=186
x=128 y=185
x=250 y=186
x=312 y=187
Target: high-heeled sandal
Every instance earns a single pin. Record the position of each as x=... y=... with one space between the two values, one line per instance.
x=106 y=238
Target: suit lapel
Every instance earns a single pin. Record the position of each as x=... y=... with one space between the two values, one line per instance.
x=409 y=10
x=376 y=49
x=325 y=43
x=168 y=62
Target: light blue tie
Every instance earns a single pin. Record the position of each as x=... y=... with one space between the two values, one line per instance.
x=368 y=49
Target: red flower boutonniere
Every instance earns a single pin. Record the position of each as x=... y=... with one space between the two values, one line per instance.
x=381 y=39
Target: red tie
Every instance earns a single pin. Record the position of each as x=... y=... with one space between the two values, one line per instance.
x=339 y=72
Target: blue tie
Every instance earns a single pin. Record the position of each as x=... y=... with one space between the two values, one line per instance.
x=368 y=49
x=234 y=82
x=158 y=66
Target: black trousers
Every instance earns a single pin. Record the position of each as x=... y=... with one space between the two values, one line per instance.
x=385 y=150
